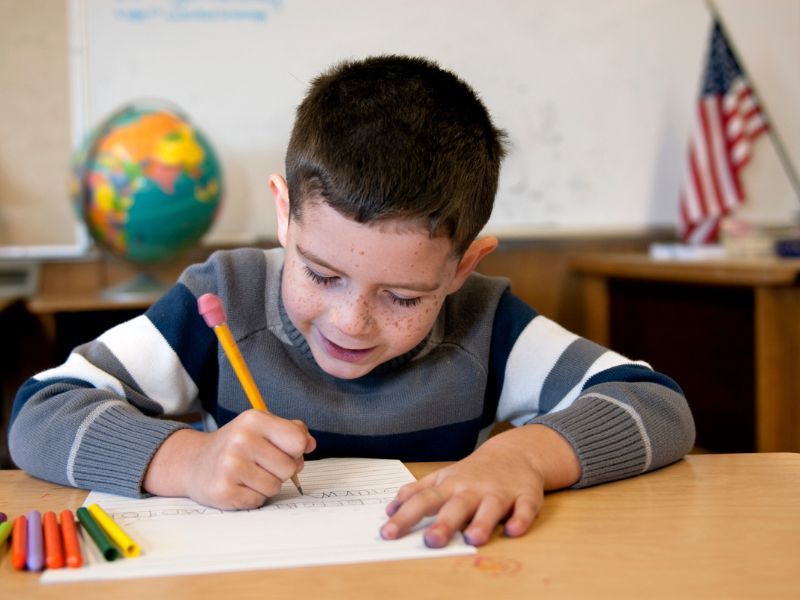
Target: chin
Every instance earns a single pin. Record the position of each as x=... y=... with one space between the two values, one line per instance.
x=344 y=371
x=341 y=369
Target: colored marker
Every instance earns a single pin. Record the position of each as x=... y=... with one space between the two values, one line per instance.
x=107 y=549
x=118 y=536
x=19 y=543
x=3 y=517
x=35 y=560
x=72 y=547
x=53 y=548
x=5 y=531
x=213 y=313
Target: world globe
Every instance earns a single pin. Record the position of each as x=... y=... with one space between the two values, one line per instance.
x=146 y=183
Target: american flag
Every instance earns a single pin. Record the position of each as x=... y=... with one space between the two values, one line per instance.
x=727 y=121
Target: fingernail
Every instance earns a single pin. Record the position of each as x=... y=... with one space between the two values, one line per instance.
x=433 y=539
x=389 y=531
x=511 y=531
x=392 y=507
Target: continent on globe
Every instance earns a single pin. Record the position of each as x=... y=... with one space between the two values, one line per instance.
x=147 y=183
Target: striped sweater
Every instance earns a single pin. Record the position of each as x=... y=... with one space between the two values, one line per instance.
x=96 y=420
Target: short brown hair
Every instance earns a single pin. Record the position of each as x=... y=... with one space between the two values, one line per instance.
x=395 y=137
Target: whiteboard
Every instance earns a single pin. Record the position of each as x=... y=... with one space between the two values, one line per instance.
x=597 y=97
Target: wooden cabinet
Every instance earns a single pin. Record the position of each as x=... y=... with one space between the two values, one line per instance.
x=727 y=330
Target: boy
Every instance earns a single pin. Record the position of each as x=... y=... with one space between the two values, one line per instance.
x=369 y=334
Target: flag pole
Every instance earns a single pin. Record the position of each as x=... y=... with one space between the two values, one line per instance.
x=772 y=131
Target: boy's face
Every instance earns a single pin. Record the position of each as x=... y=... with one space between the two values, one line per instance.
x=362 y=294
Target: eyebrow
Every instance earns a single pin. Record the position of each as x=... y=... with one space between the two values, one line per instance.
x=415 y=287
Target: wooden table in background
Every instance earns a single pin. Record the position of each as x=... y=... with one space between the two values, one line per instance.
x=772 y=289
x=709 y=526
x=70 y=303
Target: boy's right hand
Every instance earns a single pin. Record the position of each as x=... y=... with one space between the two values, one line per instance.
x=238 y=466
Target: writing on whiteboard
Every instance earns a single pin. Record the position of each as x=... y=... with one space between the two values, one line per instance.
x=203 y=11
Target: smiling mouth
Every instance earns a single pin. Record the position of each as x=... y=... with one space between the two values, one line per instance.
x=338 y=352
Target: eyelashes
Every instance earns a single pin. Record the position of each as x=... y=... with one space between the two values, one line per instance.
x=319 y=279
x=326 y=281
x=405 y=302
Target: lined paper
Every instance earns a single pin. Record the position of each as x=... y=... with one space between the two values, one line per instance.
x=337 y=521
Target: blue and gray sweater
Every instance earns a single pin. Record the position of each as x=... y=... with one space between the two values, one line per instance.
x=96 y=420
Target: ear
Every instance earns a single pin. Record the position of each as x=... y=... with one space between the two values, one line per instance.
x=475 y=252
x=280 y=191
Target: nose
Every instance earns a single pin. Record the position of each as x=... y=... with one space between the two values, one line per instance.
x=353 y=316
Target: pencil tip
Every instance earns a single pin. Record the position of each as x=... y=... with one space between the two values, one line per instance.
x=300 y=489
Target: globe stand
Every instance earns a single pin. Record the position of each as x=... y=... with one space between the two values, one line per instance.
x=143 y=287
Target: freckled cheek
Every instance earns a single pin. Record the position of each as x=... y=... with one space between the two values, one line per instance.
x=416 y=326
x=409 y=330
x=312 y=304
x=303 y=301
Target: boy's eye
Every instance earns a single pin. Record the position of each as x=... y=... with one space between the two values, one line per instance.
x=319 y=279
x=406 y=302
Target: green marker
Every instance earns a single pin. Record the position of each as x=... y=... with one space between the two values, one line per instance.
x=107 y=548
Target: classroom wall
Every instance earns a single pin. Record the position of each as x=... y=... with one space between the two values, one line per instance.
x=597 y=98
x=42 y=104
x=34 y=125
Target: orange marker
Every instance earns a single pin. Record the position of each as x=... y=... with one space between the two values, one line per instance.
x=72 y=547
x=53 y=548
x=19 y=543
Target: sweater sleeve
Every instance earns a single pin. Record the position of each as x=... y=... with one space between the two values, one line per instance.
x=621 y=417
x=97 y=420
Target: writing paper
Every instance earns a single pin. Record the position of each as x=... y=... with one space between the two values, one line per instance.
x=337 y=521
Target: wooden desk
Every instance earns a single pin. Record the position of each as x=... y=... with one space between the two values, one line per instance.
x=71 y=307
x=746 y=320
x=722 y=526
x=77 y=285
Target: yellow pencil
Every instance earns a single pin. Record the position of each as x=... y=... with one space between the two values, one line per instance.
x=118 y=536
x=210 y=307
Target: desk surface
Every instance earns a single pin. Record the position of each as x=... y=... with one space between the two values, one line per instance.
x=723 y=526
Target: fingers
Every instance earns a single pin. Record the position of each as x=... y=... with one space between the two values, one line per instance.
x=526 y=509
x=259 y=484
x=424 y=503
x=409 y=490
x=291 y=437
x=272 y=460
x=252 y=455
x=452 y=517
x=311 y=443
x=480 y=515
x=491 y=511
x=269 y=449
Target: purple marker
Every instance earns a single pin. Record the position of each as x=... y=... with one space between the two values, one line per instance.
x=3 y=517
x=35 y=560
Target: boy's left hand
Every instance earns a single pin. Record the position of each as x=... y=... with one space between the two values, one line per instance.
x=503 y=479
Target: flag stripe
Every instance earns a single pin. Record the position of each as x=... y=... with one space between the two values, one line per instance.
x=707 y=171
x=718 y=150
x=697 y=186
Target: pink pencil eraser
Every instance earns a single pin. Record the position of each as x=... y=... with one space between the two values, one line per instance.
x=210 y=307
